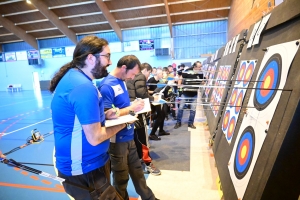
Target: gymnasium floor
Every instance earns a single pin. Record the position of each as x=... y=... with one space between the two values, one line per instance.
x=21 y=112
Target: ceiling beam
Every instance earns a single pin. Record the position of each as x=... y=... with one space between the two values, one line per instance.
x=42 y=7
x=168 y=17
x=20 y=33
x=110 y=18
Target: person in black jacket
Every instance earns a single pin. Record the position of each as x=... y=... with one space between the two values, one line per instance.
x=192 y=76
x=137 y=89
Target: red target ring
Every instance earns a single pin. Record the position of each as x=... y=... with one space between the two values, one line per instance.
x=239 y=102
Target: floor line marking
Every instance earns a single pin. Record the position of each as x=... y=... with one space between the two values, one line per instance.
x=26 y=127
x=32 y=187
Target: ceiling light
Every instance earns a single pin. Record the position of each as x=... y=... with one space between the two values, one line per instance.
x=28 y=1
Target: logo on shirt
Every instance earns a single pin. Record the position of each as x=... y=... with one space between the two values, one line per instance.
x=117 y=89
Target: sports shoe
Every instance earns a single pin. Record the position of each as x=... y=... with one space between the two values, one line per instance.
x=163 y=133
x=192 y=126
x=154 y=137
x=153 y=170
x=177 y=125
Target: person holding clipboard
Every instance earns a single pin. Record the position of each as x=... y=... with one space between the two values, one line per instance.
x=122 y=150
x=137 y=88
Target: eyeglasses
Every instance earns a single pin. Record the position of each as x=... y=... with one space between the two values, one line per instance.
x=105 y=55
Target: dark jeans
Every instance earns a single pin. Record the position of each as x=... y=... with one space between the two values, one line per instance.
x=125 y=162
x=98 y=178
x=192 y=110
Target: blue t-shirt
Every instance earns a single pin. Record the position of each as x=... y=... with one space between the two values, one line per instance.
x=114 y=91
x=77 y=102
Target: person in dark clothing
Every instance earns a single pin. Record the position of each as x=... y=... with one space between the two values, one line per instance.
x=189 y=93
x=160 y=119
x=137 y=88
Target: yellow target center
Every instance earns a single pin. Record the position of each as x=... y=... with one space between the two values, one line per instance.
x=267 y=82
x=244 y=151
x=226 y=119
x=231 y=127
x=248 y=74
x=242 y=72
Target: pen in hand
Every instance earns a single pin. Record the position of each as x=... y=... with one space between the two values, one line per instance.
x=116 y=111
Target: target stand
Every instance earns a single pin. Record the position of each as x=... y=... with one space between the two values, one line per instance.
x=261 y=160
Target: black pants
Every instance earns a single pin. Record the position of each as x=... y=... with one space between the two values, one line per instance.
x=159 y=122
x=96 y=179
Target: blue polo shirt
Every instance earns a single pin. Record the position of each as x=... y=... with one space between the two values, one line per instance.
x=77 y=102
x=114 y=91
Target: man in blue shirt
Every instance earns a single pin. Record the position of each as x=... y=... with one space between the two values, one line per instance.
x=81 y=139
x=123 y=153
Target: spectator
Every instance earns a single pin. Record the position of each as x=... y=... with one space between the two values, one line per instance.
x=189 y=93
x=160 y=114
x=122 y=150
x=137 y=89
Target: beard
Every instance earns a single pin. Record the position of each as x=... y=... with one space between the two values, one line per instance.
x=99 y=71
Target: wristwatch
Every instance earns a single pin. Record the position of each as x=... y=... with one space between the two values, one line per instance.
x=128 y=126
x=131 y=112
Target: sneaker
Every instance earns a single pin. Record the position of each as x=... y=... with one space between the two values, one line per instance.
x=192 y=126
x=163 y=133
x=177 y=125
x=154 y=137
x=153 y=170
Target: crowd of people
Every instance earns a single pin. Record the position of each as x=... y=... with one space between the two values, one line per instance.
x=85 y=150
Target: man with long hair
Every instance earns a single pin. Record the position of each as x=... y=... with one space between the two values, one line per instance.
x=81 y=139
x=122 y=150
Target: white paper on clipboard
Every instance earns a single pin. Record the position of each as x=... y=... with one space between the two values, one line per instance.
x=120 y=120
x=147 y=106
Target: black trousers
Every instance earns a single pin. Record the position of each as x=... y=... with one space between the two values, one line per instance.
x=160 y=119
x=96 y=179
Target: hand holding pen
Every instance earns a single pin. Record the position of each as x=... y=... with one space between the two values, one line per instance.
x=112 y=113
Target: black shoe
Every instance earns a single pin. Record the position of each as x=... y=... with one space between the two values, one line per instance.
x=174 y=118
x=163 y=133
x=177 y=125
x=154 y=137
x=192 y=126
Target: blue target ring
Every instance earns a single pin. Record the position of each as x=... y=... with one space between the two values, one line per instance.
x=244 y=152
x=269 y=81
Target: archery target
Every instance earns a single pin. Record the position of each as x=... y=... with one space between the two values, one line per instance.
x=233 y=97
x=244 y=75
x=226 y=120
x=273 y=72
x=239 y=101
x=244 y=153
x=241 y=73
x=248 y=74
x=270 y=78
x=231 y=128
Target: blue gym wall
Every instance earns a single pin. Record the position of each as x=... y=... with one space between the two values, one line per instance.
x=189 y=41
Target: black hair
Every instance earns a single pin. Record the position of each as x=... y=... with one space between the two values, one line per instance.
x=147 y=66
x=130 y=61
x=195 y=63
x=87 y=45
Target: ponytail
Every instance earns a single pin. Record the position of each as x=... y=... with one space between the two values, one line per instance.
x=58 y=75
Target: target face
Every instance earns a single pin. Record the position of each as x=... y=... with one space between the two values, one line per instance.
x=226 y=120
x=270 y=79
x=231 y=128
x=233 y=97
x=241 y=73
x=248 y=74
x=244 y=152
x=239 y=102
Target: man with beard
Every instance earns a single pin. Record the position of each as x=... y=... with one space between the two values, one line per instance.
x=81 y=139
x=122 y=150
